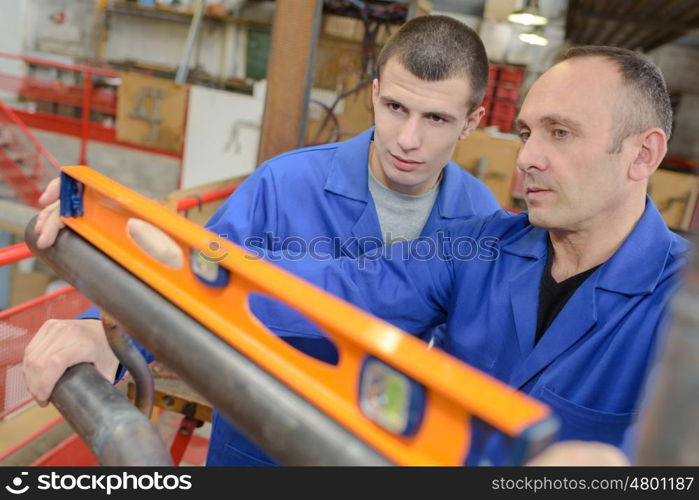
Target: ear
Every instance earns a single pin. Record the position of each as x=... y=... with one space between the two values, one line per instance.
x=650 y=149
x=375 y=92
x=472 y=122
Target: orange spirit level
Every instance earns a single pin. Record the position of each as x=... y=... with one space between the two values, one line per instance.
x=411 y=404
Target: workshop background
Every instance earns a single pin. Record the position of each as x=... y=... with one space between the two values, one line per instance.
x=180 y=100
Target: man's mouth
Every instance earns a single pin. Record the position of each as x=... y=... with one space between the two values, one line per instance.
x=533 y=192
x=404 y=163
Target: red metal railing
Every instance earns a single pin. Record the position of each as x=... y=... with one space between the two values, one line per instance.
x=81 y=95
x=17 y=327
x=14 y=253
x=25 y=165
x=213 y=195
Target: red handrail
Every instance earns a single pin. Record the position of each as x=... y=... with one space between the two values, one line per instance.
x=84 y=96
x=35 y=301
x=14 y=253
x=193 y=201
x=17 y=142
x=87 y=72
x=27 y=173
x=35 y=142
x=70 y=67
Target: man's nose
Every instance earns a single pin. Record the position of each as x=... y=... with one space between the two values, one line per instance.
x=532 y=155
x=409 y=138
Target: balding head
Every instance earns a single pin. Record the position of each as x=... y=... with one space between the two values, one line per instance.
x=645 y=102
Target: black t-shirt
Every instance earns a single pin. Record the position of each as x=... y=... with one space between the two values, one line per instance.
x=553 y=296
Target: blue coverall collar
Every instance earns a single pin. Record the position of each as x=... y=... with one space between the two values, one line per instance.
x=648 y=243
x=450 y=202
x=349 y=175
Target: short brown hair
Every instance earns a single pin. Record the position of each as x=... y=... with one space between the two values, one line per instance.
x=647 y=104
x=439 y=47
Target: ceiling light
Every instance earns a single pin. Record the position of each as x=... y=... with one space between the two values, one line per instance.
x=528 y=16
x=536 y=37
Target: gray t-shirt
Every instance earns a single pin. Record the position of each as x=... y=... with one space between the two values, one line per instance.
x=401 y=216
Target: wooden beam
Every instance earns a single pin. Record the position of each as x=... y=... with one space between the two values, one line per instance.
x=621 y=19
x=691 y=20
x=570 y=17
x=641 y=22
x=615 y=25
x=289 y=76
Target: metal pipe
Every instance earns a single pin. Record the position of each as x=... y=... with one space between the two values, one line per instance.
x=133 y=361
x=287 y=426
x=108 y=423
x=183 y=69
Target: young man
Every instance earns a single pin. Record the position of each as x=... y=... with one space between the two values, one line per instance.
x=569 y=305
x=392 y=182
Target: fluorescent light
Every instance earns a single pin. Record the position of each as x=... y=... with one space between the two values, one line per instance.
x=534 y=39
x=529 y=15
x=527 y=18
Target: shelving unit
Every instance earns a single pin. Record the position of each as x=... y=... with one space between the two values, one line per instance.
x=179 y=15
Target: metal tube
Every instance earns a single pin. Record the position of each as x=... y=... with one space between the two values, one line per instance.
x=310 y=72
x=133 y=361
x=284 y=424
x=108 y=423
x=182 y=71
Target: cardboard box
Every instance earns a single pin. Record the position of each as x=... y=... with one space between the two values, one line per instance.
x=496 y=157
x=27 y=285
x=675 y=195
x=151 y=112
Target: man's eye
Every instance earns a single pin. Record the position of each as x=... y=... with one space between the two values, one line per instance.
x=560 y=133
x=524 y=136
x=394 y=106
x=436 y=119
